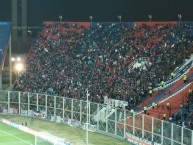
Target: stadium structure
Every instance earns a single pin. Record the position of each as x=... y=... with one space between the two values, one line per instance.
x=108 y=115
x=131 y=81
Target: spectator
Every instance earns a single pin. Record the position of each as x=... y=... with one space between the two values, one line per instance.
x=68 y=58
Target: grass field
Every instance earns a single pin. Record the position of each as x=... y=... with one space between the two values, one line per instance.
x=13 y=136
x=76 y=136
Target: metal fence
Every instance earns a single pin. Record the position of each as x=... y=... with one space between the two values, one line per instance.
x=112 y=121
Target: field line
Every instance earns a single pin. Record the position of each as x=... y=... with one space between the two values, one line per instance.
x=16 y=137
x=11 y=142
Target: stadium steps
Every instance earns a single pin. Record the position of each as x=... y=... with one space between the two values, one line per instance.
x=172 y=89
x=166 y=92
x=175 y=100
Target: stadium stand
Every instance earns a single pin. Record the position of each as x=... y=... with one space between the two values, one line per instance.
x=66 y=58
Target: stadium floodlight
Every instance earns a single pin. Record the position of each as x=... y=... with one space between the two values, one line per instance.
x=19 y=67
x=18 y=59
x=91 y=18
x=12 y=59
x=119 y=17
x=180 y=18
x=60 y=18
x=150 y=17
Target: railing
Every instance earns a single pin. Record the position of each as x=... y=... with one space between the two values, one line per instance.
x=138 y=128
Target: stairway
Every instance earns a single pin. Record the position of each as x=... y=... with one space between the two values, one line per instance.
x=175 y=102
x=176 y=95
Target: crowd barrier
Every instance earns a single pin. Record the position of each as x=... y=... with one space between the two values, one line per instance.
x=135 y=128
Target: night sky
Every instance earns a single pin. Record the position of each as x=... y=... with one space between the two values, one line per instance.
x=102 y=10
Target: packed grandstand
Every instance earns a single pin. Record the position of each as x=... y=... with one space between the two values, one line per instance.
x=122 y=61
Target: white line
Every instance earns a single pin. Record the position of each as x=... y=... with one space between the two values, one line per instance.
x=11 y=142
x=16 y=137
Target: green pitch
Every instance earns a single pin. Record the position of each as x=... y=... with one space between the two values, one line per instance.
x=13 y=136
x=76 y=136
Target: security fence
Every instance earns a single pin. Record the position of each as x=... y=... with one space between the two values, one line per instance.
x=120 y=123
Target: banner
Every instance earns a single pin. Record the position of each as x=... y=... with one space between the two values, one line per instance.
x=137 y=140
x=115 y=103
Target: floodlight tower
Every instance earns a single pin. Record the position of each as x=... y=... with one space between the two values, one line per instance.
x=91 y=20
x=150 y=18
x=119 y=17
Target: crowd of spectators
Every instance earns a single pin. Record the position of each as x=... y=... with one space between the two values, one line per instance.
x=184 y=116
x=66 y=59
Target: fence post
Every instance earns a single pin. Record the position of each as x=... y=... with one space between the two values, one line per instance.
x=162 y=132
x=182 y=135
x=116 y=121
x=63 y=107
x=133 y=123
x=28 y=103
x=192 y=137
x=54 y=108
x=172 y=134
x=71 y=109
x=19 y=103
x=106 y=118
x=143 y=126
x=152 y=129
x=125 y=118
x=89 y=112
x=8 y=100
x=37 y=102
x=97 y=119
x=80 y=111
x=46 y=107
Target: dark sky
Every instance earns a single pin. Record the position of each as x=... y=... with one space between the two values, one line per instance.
x=104 y=10
x=107 y=10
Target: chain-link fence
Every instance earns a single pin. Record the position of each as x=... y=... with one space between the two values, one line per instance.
x=102 y=118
